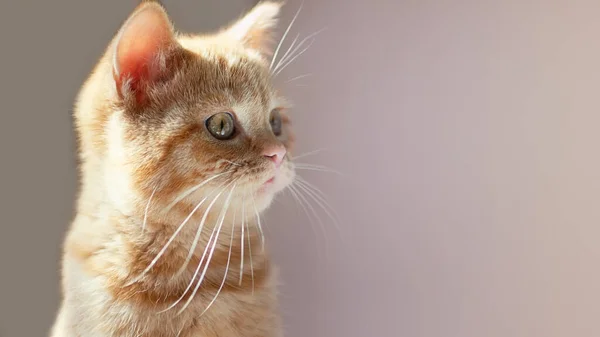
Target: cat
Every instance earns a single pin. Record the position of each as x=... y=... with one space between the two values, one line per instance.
x=183 y=142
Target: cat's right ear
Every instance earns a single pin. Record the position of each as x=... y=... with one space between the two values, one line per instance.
x=141 y=50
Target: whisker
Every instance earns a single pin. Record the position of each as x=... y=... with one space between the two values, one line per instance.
x=250 y=256
x=290 y=48
x=193 y=189
x=226 y=268
x=284 y=35
x=191 y=283
x=199 y=232
x=312 y=167
x=262 y=234
x=242 y=241
x=291 y=51
x=221 y=220
x=313 y=225
x=166 y=246
x=319 y=197
x=303 y=202
x=310 y=153
x=283 y=63
x=297 y=78
x=315 y=189
x=146 y=210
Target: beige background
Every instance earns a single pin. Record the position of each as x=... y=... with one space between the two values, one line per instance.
x=467 y=130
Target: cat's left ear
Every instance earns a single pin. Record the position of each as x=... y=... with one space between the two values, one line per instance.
x=255 y=29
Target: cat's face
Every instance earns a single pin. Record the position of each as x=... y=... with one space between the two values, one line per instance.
x=197 y=117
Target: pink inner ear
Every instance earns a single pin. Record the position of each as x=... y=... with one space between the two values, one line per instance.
x=147 y=34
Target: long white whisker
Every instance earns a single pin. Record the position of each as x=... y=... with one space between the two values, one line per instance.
x=242 y=241
x=146 y=210
x=306 y=154
x=316 y=190
x=294 y=194
x=262 y=234
x=297 y=78
x=319 y=168
x=166 y=246
x=250 y=255
x=196 y=272
x=293 y=58
x=222 y=219
x=305 y=206
x=283 y=63
x=290 y=48
x=199 y=232
x=318 y=196
x=226 y=268
x=192 y=190
x=291 y=51
x=284 y=35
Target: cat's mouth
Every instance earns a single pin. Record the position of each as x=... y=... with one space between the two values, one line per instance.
x=266 y=186
x=274 y=180
x=270 y=185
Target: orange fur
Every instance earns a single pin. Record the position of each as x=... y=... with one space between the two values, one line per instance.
x=142 y=143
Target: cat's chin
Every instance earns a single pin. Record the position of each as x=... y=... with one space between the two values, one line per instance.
x=264 y=201
x=265 y=195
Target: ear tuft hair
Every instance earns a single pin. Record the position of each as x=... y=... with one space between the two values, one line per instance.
x=255 y=29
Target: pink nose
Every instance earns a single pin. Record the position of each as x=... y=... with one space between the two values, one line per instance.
x=275 y=153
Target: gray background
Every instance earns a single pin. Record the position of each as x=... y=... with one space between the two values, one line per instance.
x=467 y=132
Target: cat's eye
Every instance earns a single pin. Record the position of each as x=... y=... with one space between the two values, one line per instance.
x=275 y=121
x=221 y=125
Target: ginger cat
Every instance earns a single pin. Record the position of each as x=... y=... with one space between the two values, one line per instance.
x=183 y=142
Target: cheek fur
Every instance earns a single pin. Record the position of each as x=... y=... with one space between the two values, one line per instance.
x=173 y=158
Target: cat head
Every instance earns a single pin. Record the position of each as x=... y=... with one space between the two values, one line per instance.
x=188 y=117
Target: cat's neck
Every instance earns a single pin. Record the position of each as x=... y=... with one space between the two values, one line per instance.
x=220 y=253
x=155 y=253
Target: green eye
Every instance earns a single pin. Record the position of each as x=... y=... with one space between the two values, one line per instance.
x=221 y=125
x=275 y=122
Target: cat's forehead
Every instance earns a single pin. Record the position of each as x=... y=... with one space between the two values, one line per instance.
x=218 y=45
x=232 y=77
